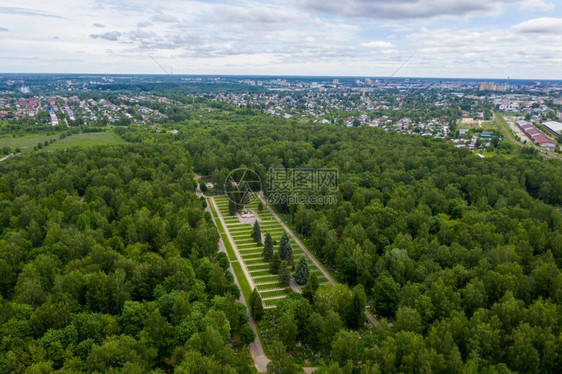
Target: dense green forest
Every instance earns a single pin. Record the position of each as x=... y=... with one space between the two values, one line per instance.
x=459 y=256
x=108 y=264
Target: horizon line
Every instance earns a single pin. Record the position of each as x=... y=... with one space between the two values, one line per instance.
x=286 y=76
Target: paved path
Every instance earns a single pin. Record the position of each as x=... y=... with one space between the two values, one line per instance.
x=290 y=232
x=233 y=244
x=6 y=157
x=256 y=348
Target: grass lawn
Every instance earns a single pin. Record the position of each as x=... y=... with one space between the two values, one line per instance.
x=266 y=294
x=268 y=278
x=244 y=285
x=27 y=142
x=252 y=256
x=258 y=260
x=229 y=249
x=260 y=272
x=258 y=267
x=272 y=302
x=271 y=286
x=87 y=140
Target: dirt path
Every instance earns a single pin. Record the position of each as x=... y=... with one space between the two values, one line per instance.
x=6 y=157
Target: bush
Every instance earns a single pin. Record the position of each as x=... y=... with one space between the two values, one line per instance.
x=247 y=334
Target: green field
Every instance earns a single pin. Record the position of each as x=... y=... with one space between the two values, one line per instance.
x=27 y=142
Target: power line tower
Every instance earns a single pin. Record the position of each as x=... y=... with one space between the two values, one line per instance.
x=171 y=73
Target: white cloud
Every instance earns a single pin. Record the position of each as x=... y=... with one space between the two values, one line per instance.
x=166 y=18
x=537 y=5
x=407 y=9
x=356 y=37
x=27 y=12
x=544 y=25
x=377 y=44
x=493 y=53
x=112 y=36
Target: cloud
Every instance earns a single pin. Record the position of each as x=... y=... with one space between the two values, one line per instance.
x=164 y=18
x=544 y=25
x=26 y=12
x=377 y=44
x=409 y=9
x=353 y=37
x=498 y=52
x=113 y=35
x=537 y=5
x=3 y=29
x=261 y=15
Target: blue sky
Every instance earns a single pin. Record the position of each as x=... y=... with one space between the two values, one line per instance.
x=446 y=38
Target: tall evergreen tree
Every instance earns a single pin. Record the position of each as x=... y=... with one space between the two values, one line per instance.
x=302 y=272
x=275 y=263
x=284 y=274
x=268 y=248
x=232 y=207
x=256 y=232
x=256 y=306
x=285 y=249
x=289 y=254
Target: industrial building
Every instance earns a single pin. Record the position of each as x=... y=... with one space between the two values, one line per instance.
x=536 y=136
x=554 y=127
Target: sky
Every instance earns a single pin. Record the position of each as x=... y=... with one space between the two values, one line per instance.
x=520 y=39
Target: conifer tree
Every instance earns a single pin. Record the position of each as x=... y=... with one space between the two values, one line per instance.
x=285 y=249
x=268 y=248
x=231 y=207
x=256 y=306
x=256 y=232
x=301 y=273
x=275 y=263
x=284 y=275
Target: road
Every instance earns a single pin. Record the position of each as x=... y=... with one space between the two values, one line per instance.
x=369 y=316
x=6 y=157
x=256 y=349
